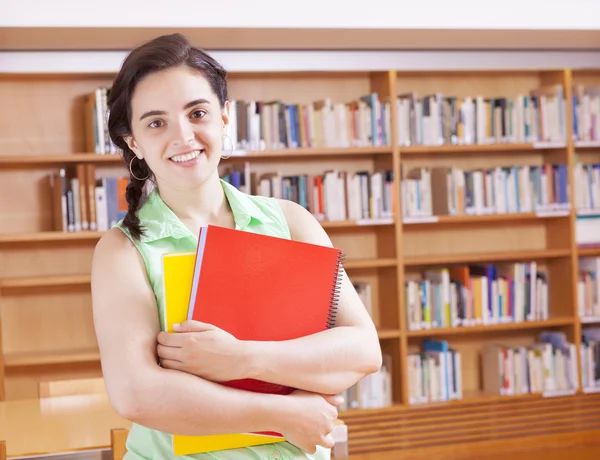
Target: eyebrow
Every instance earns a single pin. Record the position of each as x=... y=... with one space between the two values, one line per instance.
x=151 y=113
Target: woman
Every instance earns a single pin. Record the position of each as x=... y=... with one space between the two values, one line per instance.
x=169 y=114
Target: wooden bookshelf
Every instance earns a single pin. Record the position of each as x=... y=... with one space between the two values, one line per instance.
x=52 y=335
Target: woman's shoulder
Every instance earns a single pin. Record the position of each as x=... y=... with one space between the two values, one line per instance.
x=302 y=223
x=114 y=245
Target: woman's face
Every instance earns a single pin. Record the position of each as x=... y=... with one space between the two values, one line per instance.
x=177 y=126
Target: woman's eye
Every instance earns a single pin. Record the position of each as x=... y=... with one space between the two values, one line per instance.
x=155 y=124
x=198 y=113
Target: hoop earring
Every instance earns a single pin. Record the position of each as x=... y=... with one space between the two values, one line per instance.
x=141 y=180
x=230 y=150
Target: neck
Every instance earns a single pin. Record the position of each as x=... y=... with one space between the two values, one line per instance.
x=202 y=205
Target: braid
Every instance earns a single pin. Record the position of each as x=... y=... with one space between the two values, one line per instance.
x=133 y=193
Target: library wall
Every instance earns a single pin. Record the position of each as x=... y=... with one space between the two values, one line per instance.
x=466 y=200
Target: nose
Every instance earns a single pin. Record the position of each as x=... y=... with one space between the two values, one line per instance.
x=183 y=134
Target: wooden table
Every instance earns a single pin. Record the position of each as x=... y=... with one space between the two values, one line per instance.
x=58 y=425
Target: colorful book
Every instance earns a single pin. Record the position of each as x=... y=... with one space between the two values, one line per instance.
x=262 y=287
x=178 y=271
x=256 y=287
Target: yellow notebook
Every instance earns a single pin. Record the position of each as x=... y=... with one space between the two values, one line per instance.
x=178 y=271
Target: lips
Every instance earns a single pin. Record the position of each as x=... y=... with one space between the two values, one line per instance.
x=187 y=156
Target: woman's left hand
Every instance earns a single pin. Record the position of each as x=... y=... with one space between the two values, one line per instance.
x=202 y=349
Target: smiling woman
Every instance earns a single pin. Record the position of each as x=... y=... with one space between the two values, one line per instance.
x=169 y=113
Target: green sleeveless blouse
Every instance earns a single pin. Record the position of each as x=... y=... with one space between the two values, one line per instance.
x=164 y=232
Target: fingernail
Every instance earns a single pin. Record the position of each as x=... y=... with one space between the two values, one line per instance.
x=176 y=326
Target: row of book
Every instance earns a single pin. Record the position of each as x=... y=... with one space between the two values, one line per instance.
x=276 y=124
x=587 y=188
x=588 y=287
x=435 y=373
x=586 y=113
x=547 y=366
x=590 y=358
x=430 y=119
x=439 y=119
x=475 y=295
x=334 y=195
x=453 y=191
x=373 y=391
x=80 y=201
x=95 y=116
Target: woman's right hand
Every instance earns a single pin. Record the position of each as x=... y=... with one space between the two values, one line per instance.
x=310 y=420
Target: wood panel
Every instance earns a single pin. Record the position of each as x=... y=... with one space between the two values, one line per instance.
x=53 y=108
x=258 y=38
x=475 y=430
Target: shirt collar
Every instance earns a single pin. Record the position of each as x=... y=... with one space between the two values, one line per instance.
x=159 y=221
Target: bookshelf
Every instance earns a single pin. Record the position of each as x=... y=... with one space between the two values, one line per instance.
x=45 y=316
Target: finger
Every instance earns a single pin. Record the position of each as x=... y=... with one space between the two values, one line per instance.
x=328 y=442
x=334 y=400
x=171 y=364
x=169 y=339
x=192 y=326
x=168 y=352
x=310 y=450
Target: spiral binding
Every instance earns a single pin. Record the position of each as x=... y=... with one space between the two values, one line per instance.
x=335 y=290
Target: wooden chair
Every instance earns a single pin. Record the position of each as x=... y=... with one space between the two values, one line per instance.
x=2 y=450
x=71 y=387
x=118 y=440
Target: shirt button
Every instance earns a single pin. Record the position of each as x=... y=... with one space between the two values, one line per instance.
x=276 y=454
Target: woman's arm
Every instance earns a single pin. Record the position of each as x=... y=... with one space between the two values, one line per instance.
x=330 y=361
x=126 y=323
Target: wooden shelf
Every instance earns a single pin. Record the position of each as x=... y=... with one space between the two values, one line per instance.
x=464 y=330
x=589 y=251
x=52 y=160
x=480 y=397
x=359 y=223
x=369 y=263
x=311 y=152
x=44 y=281
x=485 y=257
x=479 y=148
x=483 y=218
x=71 y=158
x=388 y=333
x=50 y=357
x=48 y=237
x=55 y=236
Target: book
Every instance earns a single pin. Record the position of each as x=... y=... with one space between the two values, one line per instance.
x=262 y=287
x=178 y=271
x=253 y=286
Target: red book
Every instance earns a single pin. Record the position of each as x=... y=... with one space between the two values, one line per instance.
x=264 y=288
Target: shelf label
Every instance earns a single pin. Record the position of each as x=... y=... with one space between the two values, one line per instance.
x=557 y=393
x=549 y=145
x=382 y=221
x=553 y=213
x=587 y=144
x=420 y=219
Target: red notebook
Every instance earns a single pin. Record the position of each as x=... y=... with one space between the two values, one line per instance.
x=266 y=288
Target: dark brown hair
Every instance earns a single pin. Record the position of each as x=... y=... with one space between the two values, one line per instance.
x=159 y=54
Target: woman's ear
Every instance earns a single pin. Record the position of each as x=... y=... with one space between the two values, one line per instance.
x=130 y=141
x=225 y=117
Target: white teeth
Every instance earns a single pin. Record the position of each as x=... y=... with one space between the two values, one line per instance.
x=186 y=157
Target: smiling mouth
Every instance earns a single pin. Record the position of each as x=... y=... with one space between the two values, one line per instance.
x=186 y=156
